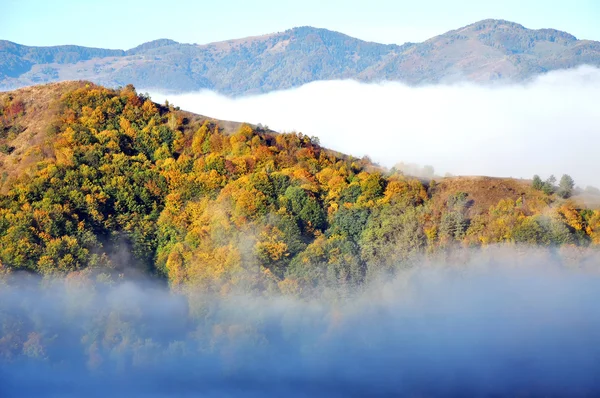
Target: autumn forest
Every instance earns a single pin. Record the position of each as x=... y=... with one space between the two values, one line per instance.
x=102 y=186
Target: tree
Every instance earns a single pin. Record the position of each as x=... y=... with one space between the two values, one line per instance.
x=530 y=232
x=453 y=225
x=349 y=222
x=392 y=236
x=565 y=186
x=537 y=183
x=548 y=187
x=457 y=201
x=306 y=208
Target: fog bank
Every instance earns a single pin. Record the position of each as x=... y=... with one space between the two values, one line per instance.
x=498 y=323
x=547 y=126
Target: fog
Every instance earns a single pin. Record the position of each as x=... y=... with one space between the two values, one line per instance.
x=493 y=322
x=547 y=126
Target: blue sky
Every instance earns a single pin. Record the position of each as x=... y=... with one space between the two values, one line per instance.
x=125 y=24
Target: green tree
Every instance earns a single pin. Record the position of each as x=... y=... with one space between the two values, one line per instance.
x=349 y=222
x=537 y=183
x=454 y=225
x=548 y=187
x=565 y=186
x=306 y=208
x=392 y=236
x=530 y=232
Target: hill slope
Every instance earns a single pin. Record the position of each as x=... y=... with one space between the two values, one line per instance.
x=105 y=179
x=485 y=51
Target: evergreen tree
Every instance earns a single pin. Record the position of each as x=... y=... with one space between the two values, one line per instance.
x=548 y=186
x=565 y=186
x=537 y=183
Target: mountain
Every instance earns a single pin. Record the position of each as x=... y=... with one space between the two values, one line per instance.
x=94 y=178
x=489 y=50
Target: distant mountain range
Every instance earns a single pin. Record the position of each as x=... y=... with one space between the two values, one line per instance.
x=486 y=51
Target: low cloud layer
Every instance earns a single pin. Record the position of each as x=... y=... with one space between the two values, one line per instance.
x=548 y=126
x=494 y=323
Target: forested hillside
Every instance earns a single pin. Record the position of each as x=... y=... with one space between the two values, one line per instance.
x=107 y=180
x=488 y=50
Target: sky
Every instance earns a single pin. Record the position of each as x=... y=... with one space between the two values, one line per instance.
x=124 y=24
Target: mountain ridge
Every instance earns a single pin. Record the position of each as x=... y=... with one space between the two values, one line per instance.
x=485 y=51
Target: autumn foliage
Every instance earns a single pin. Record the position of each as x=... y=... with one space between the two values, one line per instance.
x=128 y=183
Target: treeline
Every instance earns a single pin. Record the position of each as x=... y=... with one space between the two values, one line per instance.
x=126 y=181
x=565 y=186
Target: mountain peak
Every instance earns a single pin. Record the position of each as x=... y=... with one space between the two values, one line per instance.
x=303 y=31
x=491 y=23
x=310 y=29
x=151 y=45
x=501 y=25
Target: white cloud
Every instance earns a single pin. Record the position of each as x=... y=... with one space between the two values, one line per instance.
x=548 y=126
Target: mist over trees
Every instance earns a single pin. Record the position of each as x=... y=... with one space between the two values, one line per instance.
x=483 y=321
